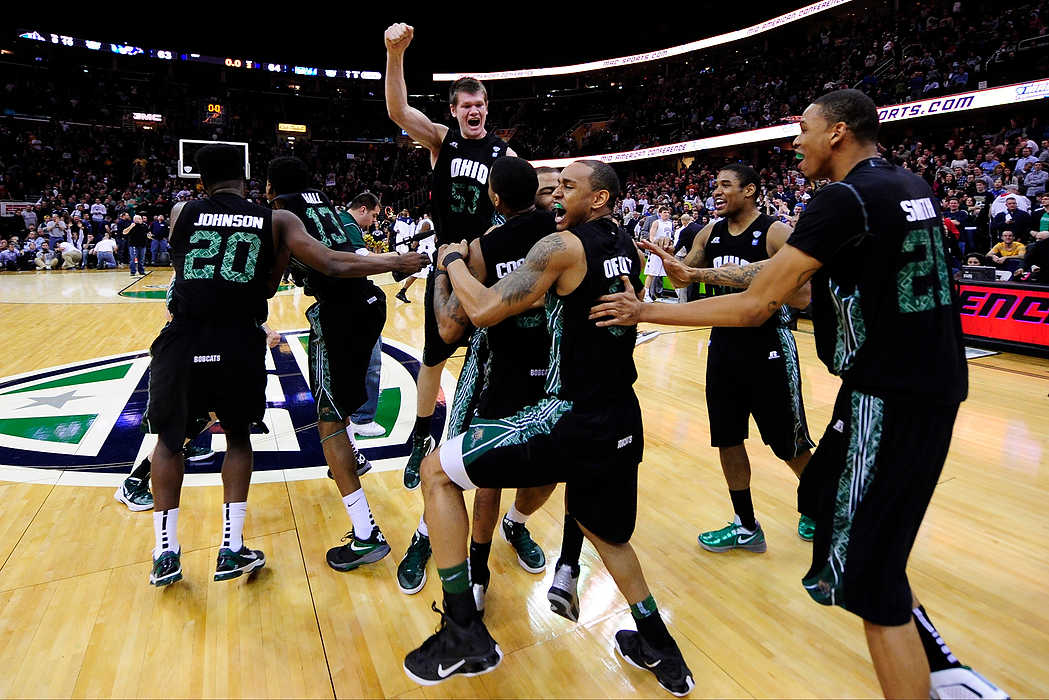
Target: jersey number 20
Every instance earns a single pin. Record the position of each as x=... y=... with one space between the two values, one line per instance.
x=226 y=270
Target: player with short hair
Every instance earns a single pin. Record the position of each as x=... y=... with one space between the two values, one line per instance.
x=228 y=255
x=461 y=158
x=886 y=321
x=586 y=431
x=345 y=323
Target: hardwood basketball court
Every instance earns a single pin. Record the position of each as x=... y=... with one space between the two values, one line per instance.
x=78 y=619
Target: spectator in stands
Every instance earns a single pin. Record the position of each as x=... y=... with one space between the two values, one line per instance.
x=1007 y=254
x=1024 y=159
x=98 y=216
x=105 y=251
x=137 y=238
x=1035 y=179
x=8 y=255
x=1001 y=202
x=975 y=260
x=1040 y=216
x=29 y=217
x=45 y=257
x=158 y=235
x=1013 y=218
x=70 y=255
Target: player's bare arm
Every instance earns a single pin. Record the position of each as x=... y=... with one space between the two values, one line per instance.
x=417 y=124
x=780 y=280
x=546 y=262
x=683 y=272
x=452 y=320
x=338 y=264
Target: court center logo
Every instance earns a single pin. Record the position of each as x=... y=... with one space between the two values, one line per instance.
x=84 y=420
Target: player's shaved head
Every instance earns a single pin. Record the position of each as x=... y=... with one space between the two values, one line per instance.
x=219 y=162
x=288 y=174
x=515 y=181
x=854 y=109
x=603 y=177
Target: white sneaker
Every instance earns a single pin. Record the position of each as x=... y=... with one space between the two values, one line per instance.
x=371 y=429
x=962 y=682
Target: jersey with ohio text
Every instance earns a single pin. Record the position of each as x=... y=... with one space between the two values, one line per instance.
x=748 y=247
x=519 y=347
x=461 y=207
x=884 y=308
x=318 y=217
x=592 y=365
x=222 y=252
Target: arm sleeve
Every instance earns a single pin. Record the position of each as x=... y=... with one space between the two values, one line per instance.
x=834 y=218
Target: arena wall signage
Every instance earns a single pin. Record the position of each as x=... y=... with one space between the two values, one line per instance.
x=171 y=55
x=746 y=32
x=965 y=101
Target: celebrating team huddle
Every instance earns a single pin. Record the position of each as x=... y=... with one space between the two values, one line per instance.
x=536 y=279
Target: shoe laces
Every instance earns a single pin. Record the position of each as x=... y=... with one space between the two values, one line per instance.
x=564 y=579
x=436 y=638
x=417 y=551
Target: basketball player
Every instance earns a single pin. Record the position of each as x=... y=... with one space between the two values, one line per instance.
x=544 y=196
x=586 y=432
x=887 y=323
x=229 y=256
x=504 y=371
x=661 y=230
x=750 y=371
x=345 y=323
x=461 y=158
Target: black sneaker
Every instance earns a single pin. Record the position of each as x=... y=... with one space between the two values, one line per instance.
x=401 y=295
x=667 y=666
x=453 y=650
x=563 y=595
x=358 y=552
x=421 y=446
x=167 y=568
x=232 y=564
x=134 y=493
x=411 y=572
x=193 y=453
x=529 y=554
x=363 y=466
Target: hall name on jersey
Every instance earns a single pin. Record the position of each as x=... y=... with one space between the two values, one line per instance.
x=918 y=209
x=229 y=221
x=464 y=167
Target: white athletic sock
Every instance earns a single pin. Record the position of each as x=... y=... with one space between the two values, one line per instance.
x=360 y=513
x=422 y=526
x=516 y=515
x=165 y=525
x=233 y=524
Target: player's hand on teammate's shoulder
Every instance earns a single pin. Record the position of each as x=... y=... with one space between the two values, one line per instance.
x=398 y=36
x=619 y=309
x=462 y=248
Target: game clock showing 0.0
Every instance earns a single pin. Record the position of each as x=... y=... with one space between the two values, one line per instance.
x=213 y=113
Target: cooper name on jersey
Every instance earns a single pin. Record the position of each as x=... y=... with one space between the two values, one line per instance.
x=464 y=167
x=505 y=268
x=228 y=221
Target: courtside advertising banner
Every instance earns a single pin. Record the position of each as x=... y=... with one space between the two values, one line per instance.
x=1006 y=313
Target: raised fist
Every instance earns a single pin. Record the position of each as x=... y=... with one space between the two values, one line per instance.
x=398 y=36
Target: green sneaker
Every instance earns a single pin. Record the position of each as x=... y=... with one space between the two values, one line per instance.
x=806 y=528
x=232 y=564
x=167 y=568
x=134 y=493
x=421 y=446
x=735 y=536
x=529 y=554
x=411 y=572
x=358 y=552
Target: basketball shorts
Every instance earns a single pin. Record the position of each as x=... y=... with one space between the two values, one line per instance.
x=867 y=487
x=342 y=337
x=435 y=350
x=594 y=452
x=200 y=367
x=756 y=374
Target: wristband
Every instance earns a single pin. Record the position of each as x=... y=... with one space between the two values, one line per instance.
x=450 y=258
